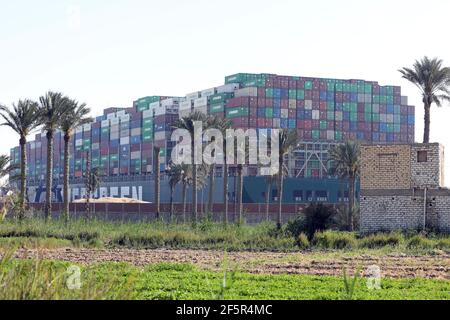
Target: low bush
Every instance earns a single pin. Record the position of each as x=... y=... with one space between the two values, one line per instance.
x=334 y=240
x=303 y=242
x=381 y=240
x=419 y=242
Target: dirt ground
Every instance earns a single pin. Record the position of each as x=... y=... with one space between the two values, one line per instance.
x=393 y=265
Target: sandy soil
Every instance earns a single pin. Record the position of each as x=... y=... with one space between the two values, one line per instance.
x=394 y=266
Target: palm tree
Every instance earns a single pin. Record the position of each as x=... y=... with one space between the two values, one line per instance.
x=23 y=120
x=187 y=123
x=4 y=165
x=222 y=125
x=174 y=174
x=433 y=80
x=184 y=178
x=269 y=183
x=288 y=140
x=52 y=108
x=157 y=170
x=76 y=116
x=346 y=165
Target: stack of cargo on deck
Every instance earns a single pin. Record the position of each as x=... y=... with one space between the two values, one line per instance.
x=323 y=111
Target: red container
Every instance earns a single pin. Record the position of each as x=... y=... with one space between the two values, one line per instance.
x=301 y=84
x=253 y=102
x=301 y=104
x=323 y=115
x=323 y=106
x=292 y=114
x=307 y=135
x=308 y=95
x=375 y=127
x=338 y=125
x=285 y=103
x=253 y=112
x=323 y=135
x=308 y=124
x=301 y=124
x=269 y=102
x=261 y=122
x=261 y=92
x=292 y=84
x=135 y=147
x=147 y=146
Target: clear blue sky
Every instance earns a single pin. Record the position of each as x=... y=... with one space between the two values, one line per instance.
x=108 y=53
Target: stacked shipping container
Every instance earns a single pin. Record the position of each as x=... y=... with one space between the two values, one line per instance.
x=323 y=111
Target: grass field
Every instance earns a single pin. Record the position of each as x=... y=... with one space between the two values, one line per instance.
x=205 y=235
x=184 y=281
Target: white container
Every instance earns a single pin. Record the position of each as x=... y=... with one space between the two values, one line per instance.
x=228 y=88
x=160 y=135
x=246 y=92
x=147 y=114
x=78 y=143
x=170 y=102
x=105 y=123
x=124 y=141
x=193 y=96
x=114 y=135
x=125 y=118
x=315 y=114
x=208 y=92
x=95 y=146
x=135 y=155
x=201 y=102
x=136 y=132
x=330 y=135
x=120 y=113
x=79 y=129
x=110 y=116
x=87 y=127
x=115 y=122
x=404 y=101
x=187 y=105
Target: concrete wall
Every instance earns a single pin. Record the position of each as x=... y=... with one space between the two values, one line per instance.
x=385 y=167
x=427 y=174
x=389 y=213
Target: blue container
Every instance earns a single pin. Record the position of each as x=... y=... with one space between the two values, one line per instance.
x=277 y=93
x=114 y=143
x=375 y=136
x=284 y=123
x=339 y=106
x=300 y=114
x=390 y=108
x=277 y=103
x=276 y=112
x=323 y=96
x=383 y=127
x=411 y=120
x=292 y=124
x=135 y=139
x=354 y=126
x=308 y=114
x=390 y=137
x=353 y=97
x=330 y=96
x=346 y=116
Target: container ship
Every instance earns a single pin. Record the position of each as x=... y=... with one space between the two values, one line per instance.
x=324 y=112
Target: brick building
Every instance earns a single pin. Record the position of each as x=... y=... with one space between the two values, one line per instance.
x=402 y=188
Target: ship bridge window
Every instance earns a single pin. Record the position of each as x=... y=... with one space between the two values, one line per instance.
x=322 y=195
x=298 y=195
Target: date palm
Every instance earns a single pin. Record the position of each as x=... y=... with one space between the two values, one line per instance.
x=345 y=160
x=433 y=81
x=22 y=118
x=188 y=124
x=174 y=174
x=76 y=115
x=157 y=171
x=4 y=165
x=288 y=140
x=52 y=109
x=222 y=125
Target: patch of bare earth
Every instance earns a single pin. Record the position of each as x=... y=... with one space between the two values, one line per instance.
x=393 y=266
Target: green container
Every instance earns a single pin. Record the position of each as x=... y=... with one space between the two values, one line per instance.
x=301 y=94
x=269 y=93
x=368 y=88
x=376 y=99
x=338 y=135
x=255 y=83
x=220 y=98
x=237 y=112
x=339 y=87
x=368 y=108
x=292 y=94
x=215 y=108
x=148 y=122
x=353 y=116
x=368 y=117
x=147 y=137
x=323 y=125
x=308 y=85
x=347 y=106
x=238 y=78
x=114 y=157
x=330 y=106
x=269 y=113
x=330 y=115
x=375 y=117
x=316 y=134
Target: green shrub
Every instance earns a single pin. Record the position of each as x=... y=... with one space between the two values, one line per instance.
x=296 y=227
x=381 y=240
x=419 y=242
x=443 y=244
x=318 y=217
x=303 y=242
x=335 y=240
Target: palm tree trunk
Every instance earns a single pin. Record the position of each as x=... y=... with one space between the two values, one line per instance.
x=426 y=131
x=184 y=201
x=49 y=182
x=225 y=193
x=211 y=189
x=194 y=193
x=280 y=193
x=23 y=176
x=157 y=171
x=88 y=185
x=269 y=186
x=240 y=192
x=66 y=176
x=171 y=204
x=351 y=203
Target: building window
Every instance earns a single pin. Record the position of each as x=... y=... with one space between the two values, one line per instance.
x=298 y=195
x=422 y=156
x=322 y=196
